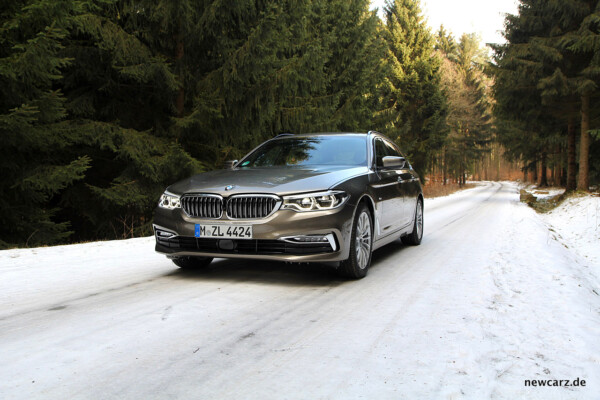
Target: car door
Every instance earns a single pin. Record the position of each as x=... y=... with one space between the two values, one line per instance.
x=404 y=182
x=411 y=190
x=387 y=190
x=408 y=186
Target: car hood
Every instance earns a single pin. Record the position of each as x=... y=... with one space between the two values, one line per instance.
x=266 y=180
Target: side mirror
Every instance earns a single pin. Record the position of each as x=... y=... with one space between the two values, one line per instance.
x=393 y=162
x=229 y=164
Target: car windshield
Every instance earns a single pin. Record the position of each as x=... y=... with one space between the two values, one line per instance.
x=313 y=150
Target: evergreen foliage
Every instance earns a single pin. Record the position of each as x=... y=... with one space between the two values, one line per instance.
x=35 y=137
x=82 y=113
x=106 y=102
x=285 y=66
x=415 y=107
x=546 y=76
x=467 y=89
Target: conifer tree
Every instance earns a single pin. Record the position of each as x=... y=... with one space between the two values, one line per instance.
x=34 y=133
x=86 y=105
x=550 y=56
x=446 y=44
x=123 y=105
x=281 y=66
x=412 y=97
x=576 y=36
x=529 y=126
x=469 y=103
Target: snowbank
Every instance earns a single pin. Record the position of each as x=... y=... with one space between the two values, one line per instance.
x=576 y=224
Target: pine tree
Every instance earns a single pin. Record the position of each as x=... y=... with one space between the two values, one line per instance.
x=87 y=107
x=531 y=128
x=122 y=95
x=280 y=66
x=551 y=51
x=354 y=65
x=415 y=105
x=446 y=44
x=469 y=103
x=32 y=124
x=576 y=35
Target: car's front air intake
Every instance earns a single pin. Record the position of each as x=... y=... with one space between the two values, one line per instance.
x=202 y=205
x=251 y=206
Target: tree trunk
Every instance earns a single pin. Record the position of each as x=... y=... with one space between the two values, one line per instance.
x=558 y=159
x=445 y=167
x=563 y=166
x=179 y=52
x=571 y=156
x=583 y=181
x=486 y=172
x=534 y=171
x=498 y=161
x=544 y=172
x=525 y=173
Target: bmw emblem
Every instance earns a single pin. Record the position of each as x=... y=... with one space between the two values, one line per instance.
x=229 y=187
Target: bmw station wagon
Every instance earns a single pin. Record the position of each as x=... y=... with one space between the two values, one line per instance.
x=322 y=197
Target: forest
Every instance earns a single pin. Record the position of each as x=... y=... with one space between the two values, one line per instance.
x=104 y=103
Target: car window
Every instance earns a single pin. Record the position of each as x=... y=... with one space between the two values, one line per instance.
x=380 y=152
x=384 y=148
x=391 y=150
x=313 y=150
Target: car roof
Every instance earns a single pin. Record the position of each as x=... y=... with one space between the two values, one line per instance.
x=302 y=135
x=308 y=135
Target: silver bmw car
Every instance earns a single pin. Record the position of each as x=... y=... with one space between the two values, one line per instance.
x=322 y=197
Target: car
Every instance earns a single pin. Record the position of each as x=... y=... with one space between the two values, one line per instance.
x=320 y=197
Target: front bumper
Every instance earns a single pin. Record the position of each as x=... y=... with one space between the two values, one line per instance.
x=268 y=236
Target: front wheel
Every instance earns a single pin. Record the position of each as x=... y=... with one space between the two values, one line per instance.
x=191 y=263
x=415 y=237
x=361 y=245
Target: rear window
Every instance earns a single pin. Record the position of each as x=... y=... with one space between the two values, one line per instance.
x=314 y=150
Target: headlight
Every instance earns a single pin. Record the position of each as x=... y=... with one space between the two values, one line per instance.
x=315 y=201
x=169 y=201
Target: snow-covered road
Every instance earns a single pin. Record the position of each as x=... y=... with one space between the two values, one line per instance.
x=490 y=299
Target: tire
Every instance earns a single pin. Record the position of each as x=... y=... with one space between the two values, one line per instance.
x=361 y=245
x=414 y=239
x=191 y=263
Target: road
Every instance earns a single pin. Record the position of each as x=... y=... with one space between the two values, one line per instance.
x=464 y=315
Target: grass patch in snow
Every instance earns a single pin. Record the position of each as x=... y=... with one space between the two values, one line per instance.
x=436 y=189
x=543 y=200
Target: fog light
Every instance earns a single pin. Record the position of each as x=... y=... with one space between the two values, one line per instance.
x=164 y=234
x=329 y=238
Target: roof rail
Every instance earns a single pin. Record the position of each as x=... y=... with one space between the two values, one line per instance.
x=372 y=132
x=284 y=134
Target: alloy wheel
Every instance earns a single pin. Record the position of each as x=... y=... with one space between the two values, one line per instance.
x=363 y=240
x=419 y=220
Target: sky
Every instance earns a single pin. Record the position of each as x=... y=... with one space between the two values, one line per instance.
x=484 y=17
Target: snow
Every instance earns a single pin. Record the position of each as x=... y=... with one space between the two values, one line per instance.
x=547 y=193
x=495 y=295
x=576 y=224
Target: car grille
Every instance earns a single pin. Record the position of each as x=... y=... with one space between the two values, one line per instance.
x=238 y=207
x=247 y=207
x=202 y=206
x=254 y=246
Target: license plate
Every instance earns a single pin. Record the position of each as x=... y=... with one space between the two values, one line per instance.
x=224 y=231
